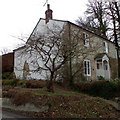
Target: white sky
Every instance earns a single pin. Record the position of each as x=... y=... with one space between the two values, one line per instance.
x=19 y=17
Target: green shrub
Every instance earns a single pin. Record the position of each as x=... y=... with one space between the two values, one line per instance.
x=101 y=78
x=118 y=92
x=7 y=75
x=116 y=81
x=0 y=75
x=118 y=85
x=10 y=93
x=35 y=84
x=6 y=87
x=21 y=98
x=21 y=82
x=8 y=82
x=102 y=88
x=12 y=82
x=82 y=86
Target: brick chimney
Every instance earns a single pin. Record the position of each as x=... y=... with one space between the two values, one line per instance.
x=48 y=13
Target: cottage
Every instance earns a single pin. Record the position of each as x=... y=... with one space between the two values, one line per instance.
x=93 y=57
x=8 y=62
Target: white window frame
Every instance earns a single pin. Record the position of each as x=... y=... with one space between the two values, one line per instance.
x=86 y=39
x=87 y=68
x=105 y=44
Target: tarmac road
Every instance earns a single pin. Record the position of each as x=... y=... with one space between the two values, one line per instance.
x=5 y=114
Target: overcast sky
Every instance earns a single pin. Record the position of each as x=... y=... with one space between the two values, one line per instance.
x=19 y=17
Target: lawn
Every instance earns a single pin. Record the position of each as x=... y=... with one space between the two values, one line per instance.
x=63 y=103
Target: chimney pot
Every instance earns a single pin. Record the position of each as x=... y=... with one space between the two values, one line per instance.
x=48 y=13
x=48 y=6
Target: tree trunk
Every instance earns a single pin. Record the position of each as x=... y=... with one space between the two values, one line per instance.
x=50 y=87
x=118 y=15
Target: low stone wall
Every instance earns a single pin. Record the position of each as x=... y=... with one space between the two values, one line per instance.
x=114 y=104
x=6 y=103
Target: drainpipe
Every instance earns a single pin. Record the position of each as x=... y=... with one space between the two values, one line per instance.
x=70 y=59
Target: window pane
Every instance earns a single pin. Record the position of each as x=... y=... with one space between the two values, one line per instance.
x=105 y=47
x=106 y=66
x=88 y=68
x=99 y=65
x=86 y=39
x=85 y=67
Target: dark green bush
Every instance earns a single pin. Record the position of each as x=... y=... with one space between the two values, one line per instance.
x=7 y=75
x=101 y=78
x=12 y=82
x=82 y=86
x=102 y=88
x=118 y=86
x=21 y=82
x=8 y=82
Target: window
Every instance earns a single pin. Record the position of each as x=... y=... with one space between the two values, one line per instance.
x=86 y=39
x=105 y=47
x=99 y=64
x=87 y=68
x=105 y=65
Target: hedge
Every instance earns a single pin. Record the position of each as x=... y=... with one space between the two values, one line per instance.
x=105 y=89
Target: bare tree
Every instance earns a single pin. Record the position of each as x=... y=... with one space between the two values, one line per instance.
x=5 y=51
x=57 y=49
x=80 y=48
x=96 y=18
x=103 y=17
x=114 y=13
x=50 y=50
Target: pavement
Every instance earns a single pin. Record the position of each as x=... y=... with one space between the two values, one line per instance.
x=6 y=114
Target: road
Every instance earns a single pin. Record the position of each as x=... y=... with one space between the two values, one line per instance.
x=5 y=114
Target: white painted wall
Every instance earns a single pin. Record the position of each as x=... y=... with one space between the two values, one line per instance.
x=21 y=56
x=42 y=29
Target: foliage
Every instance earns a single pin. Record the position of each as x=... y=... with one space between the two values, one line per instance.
x=21 y=98
x=103 y=88
x=7 y=75
x=62 y=103
x=10 y=93
x=35 y=84
x=8 y=82
x=12 y=82
x=101 y=78
x=102 y=17
x=22 y=83
x=6 y=87
x=73 y=106
x=49 y=47
x=116 y=81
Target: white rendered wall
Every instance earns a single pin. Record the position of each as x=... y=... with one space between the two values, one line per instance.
x=20 y=56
